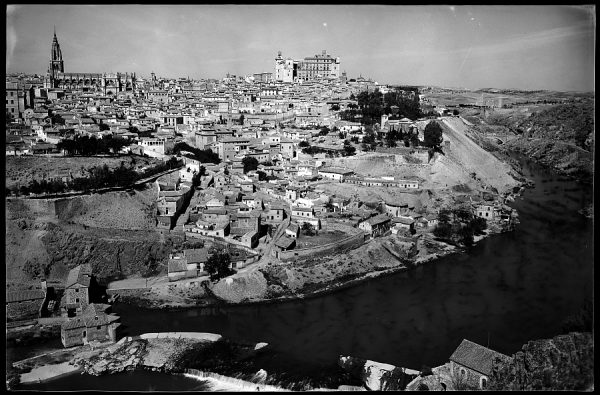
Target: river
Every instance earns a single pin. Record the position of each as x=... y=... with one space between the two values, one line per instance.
x=509 y=289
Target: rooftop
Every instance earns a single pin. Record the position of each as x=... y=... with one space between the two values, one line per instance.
x=476 y=357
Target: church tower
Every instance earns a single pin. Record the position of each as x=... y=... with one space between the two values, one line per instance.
x=56 y=61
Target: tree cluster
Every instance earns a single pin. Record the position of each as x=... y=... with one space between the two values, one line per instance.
x=250 y=163
x=87 y=146
x=432 y=135
x=458 y=226
x=371 y=105
x=98 y=177
x=218 y=264
x=369 y=142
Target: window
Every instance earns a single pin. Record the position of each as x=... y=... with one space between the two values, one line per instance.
x=98 y=327
x=483 y=383
x=463 y=372
x=77 y=300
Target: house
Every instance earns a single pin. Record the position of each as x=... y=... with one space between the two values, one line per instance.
x=293 y=230
x=283 y=243
x=177 y=268
x=77 y=290
x=335 y=174
x=472 y=363
x=250 y=239
x=93 y=325
x=485 y=211
x=375 y=226
x=305 y=214
x=275 y=213
x=404 y=223
x=196 y=258
x=22 y=305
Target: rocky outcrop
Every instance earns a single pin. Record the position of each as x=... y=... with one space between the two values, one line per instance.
x=378 y=376
x=159 y=354
x=110 y=252
x=565 y=362
x=237 y=288
x=565 y=158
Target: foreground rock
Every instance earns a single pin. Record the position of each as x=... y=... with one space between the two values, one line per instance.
x=378 y=376
x=155 y=353
x=565 y=362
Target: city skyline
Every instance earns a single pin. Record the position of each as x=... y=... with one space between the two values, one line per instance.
x=522 y=47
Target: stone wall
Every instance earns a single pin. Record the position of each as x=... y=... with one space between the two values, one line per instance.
x=349 y=243
x=128 y=291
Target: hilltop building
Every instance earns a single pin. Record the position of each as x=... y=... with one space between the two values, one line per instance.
x=107 y=83
x=316 y=67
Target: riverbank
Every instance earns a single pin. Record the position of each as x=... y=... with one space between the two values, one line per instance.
x=336 y=285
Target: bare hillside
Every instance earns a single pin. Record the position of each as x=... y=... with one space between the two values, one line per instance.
x=466 y=157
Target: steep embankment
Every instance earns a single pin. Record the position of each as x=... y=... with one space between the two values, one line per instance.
x=560 y=136
x=113 y=232
x=465 y=161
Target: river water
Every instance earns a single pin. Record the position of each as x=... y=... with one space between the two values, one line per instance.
x=509 y=289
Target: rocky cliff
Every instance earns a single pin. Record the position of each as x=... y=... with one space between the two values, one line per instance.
x=114 y=232
x=559 y=136
x=565 y=362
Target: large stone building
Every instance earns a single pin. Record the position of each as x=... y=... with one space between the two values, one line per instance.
x=107 y=83
x=316 y=67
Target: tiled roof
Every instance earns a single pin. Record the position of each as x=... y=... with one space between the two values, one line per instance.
x=196 y=255
x=21 y=296
x=475 y=357
x=177 y=265
x=80 y=275
x=284 y=242
x=380 y=219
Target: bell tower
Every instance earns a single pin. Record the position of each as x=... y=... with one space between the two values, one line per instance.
x=56 y=60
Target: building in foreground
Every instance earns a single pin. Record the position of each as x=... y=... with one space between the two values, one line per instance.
x=471 y=363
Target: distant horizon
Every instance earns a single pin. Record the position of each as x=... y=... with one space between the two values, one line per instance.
x=523 y=48
x=380 y=83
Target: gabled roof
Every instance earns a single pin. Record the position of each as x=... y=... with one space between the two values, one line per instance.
x=379 y=219
x=177 y=265
x=79 y=275
x=476 y=357
x=284 y=242
x=21 y=296
x=197 y=255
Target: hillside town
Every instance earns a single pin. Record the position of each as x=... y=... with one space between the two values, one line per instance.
x=177 y=192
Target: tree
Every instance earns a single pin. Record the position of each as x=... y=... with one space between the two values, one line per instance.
x=217 y=265
x=261 y=175
x=303 y=144
x=308 y=229
x=349 y=150
x=432 y=135
x=391 y=138
x=478 y=225
x=250 y=163
x=341 y=135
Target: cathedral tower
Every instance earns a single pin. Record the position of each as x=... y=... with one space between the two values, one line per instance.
x=56 y=60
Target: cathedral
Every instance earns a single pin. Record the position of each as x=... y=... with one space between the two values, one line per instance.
x=107 y=83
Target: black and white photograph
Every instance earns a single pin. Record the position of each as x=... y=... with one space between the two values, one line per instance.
x=299 y=197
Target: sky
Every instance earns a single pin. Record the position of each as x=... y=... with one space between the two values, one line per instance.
x=520 y=47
